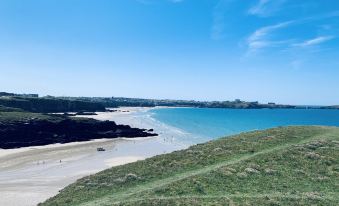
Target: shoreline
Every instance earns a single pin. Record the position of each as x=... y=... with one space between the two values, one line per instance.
x=33 y=174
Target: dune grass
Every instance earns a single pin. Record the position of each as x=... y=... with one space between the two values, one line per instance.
x=280 y=166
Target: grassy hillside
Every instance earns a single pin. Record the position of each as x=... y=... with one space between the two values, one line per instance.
x=281 y=166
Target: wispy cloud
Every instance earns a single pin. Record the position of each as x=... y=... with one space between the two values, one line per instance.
x=314 y=41
x=261 y=37
x=258 y=8
x=218 y=24
x=266 y=7
x=265 y=31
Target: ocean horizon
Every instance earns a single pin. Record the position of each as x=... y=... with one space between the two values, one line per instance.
x=204 y=124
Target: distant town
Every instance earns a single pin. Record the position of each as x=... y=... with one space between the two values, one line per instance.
x=34 y=103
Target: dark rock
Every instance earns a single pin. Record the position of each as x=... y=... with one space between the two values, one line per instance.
x=37 y=132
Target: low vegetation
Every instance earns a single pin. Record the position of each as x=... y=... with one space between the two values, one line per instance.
x=332 y=107
x=15 y=116
x=280 y=166
x=34 y=103
x=49 y=104
x=136 y=102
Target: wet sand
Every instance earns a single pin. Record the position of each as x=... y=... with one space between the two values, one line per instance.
x=31 y=175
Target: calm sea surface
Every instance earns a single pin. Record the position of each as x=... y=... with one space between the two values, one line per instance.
x=208 y=124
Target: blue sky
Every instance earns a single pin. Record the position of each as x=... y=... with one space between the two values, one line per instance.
x=285 y=51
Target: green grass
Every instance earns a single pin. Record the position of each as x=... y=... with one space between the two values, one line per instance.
x=9 y=109
x=8 y=115
x=24 y=116
x=281 y=166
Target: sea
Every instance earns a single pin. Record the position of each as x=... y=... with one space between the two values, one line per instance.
x=205 y=124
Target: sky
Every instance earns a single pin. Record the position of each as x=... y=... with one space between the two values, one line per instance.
x=284 y=51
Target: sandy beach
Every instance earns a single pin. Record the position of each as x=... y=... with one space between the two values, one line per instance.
x=31 y=175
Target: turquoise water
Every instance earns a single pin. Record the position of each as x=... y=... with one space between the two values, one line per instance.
x=208 y=124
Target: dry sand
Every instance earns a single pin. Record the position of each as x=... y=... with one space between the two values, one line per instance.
x=31 y=175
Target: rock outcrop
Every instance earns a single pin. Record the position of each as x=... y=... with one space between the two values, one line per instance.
x=37 y=132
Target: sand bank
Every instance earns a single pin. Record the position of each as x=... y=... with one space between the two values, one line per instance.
x=31 y=175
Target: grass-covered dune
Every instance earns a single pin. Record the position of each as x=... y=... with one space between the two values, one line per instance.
x=281 y=166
